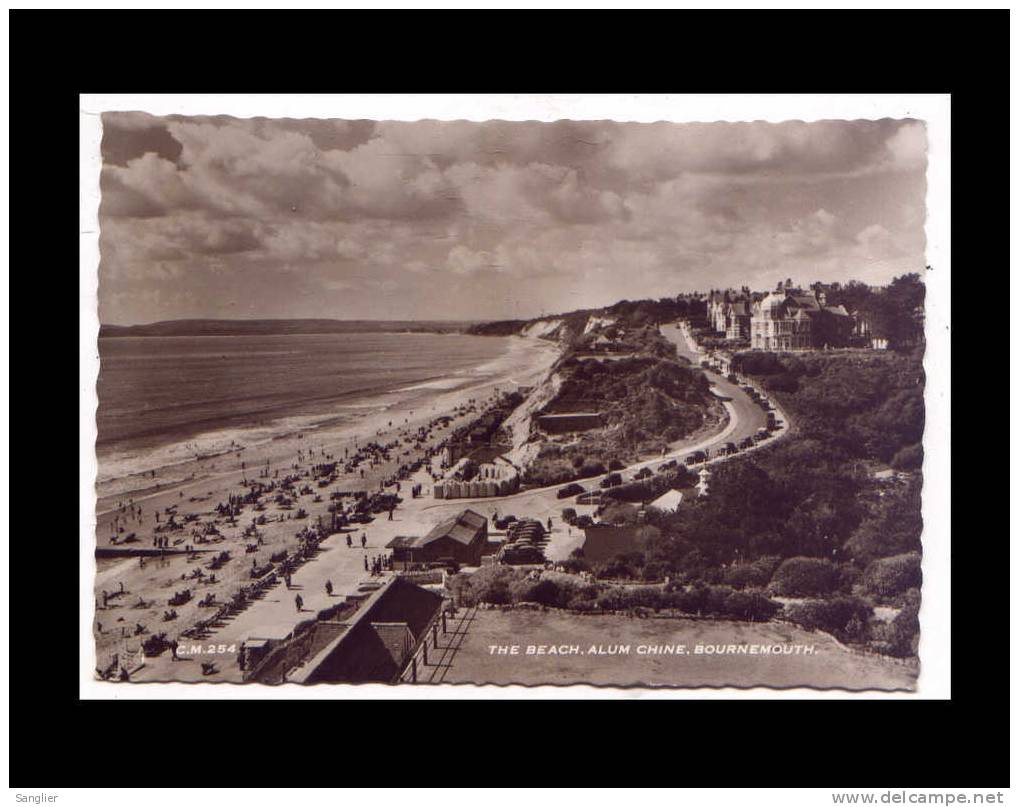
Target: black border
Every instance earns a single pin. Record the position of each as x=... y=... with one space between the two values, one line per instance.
x=58 y=740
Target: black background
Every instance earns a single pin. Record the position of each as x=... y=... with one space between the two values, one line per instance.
x=58 y=740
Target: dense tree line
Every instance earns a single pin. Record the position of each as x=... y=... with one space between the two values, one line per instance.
x=806 y=518
x=894 y=312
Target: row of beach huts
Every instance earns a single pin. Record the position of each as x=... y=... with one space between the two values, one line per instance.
x=477 y=488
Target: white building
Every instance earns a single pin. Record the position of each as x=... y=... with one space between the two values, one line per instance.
x=783 y=321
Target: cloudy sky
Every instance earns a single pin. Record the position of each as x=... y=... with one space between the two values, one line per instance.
x=224 y=217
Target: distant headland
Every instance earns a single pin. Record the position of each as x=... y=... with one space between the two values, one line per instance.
x=266 y=327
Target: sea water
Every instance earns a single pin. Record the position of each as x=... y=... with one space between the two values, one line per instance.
x=166 y=400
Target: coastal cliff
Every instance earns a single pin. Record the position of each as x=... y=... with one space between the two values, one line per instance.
x=618 y=393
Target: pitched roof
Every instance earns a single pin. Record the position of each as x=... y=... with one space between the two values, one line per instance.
x=807 y=301
x=670 y=500
x=462 y=528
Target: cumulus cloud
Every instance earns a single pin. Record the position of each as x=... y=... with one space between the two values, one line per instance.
x=330 y=218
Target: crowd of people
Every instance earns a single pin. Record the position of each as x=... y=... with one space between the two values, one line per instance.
x=261 y=487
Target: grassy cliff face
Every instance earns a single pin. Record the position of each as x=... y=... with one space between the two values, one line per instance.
x=647 y=399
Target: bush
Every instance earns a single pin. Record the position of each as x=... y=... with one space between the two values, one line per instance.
x=618 y=568
x=554 y=589
x=655 y=570
x=887 y=578
x=619 y=513
x=569 y=515
x=489 y=584
x=575 y=564
x=751 y=575
x=542 y=591
x=909 y=458
x=845 y=618
x=903 y=634
x=750 y=606
x=804 y=577
x=616 y=465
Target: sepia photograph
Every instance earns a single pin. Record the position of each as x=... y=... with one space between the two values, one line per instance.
x=433 y=403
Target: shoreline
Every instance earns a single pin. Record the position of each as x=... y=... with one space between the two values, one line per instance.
x=201 y=457
x=147 y=583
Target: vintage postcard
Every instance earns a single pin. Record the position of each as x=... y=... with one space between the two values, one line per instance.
x=581 y=401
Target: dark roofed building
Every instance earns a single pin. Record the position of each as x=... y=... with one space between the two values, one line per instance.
x=379 y=641
x=462 y=538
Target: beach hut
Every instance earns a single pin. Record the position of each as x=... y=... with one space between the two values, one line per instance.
x=453 y=490
x=440 y=490
x=491 y=488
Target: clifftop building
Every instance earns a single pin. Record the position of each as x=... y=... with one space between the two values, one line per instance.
x=730 y=312
x=792 y=319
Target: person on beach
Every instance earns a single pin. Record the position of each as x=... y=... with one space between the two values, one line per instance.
x=329 y=588
x=364 y=540
x=365 y=566
x=173 y=650
x=299 y=602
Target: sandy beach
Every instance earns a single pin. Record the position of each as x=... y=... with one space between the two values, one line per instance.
x=148 y=584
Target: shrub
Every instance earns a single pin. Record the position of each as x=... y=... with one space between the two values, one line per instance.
x=750 y=606
x=805 y=577
x=575 y=565
x=903 y=634
x=616 y=465
x=617 y=568
x=569 y=515
x=845 y=618
x=489 y=584
x=612 y=599
x=849 y=575
x=886 y=578
x=619 y=513
x=715 y=600
x=542 y=591
x=690 y=601
x=909 y=458
x=749 y=575
x=655 y=570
